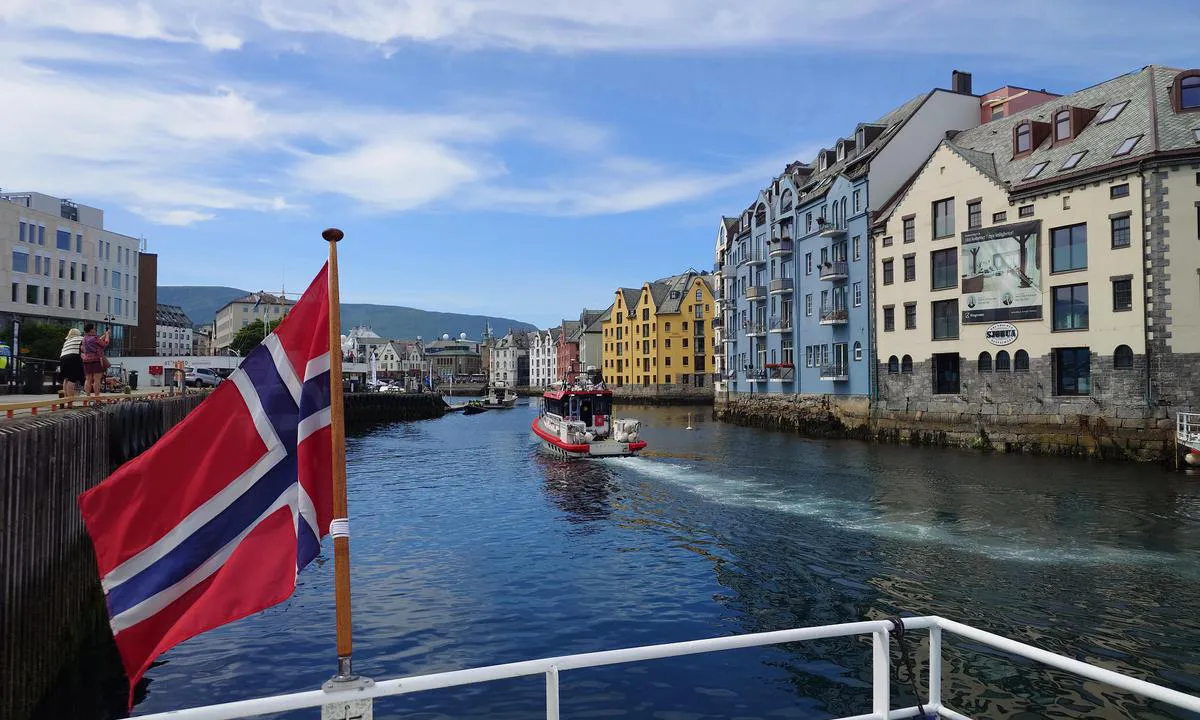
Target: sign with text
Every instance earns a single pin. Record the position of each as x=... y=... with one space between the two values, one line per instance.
x=1001 y=333
x=1001 y=273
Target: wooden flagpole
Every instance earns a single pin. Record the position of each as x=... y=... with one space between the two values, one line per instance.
x=339 y=528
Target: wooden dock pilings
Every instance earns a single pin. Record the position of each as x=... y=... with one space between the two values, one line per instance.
x=53 y=625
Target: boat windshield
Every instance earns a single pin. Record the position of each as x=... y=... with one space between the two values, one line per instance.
x=580 y=407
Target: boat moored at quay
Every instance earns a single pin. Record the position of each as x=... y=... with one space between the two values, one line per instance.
x=576 y=421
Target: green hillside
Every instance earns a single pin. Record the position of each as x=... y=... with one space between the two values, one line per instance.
x=201 y=303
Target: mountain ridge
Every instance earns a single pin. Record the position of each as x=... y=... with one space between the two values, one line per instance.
x=201 y=303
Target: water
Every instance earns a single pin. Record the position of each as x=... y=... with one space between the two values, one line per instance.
x=469 y=548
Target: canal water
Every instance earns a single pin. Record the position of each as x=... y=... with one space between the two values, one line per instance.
x=469 y=548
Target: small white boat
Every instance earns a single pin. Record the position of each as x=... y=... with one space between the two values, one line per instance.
x=499 y=399
x=576 y=422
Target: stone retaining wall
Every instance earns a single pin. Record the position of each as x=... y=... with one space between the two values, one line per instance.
x=663 y=394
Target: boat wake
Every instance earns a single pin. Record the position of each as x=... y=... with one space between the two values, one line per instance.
x=978 y=538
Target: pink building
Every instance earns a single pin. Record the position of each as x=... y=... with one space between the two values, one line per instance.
x=1010 y=99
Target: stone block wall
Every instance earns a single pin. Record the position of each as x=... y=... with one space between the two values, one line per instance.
x=663 y=394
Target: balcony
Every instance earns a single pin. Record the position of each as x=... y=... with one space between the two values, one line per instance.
x=756 y=292
x=757 y=329
x=730 y=338
x=756 y=375
x=780 y=247
x=718 y=322
x=782 y=285
x=835 y=271
x=781 y=324
x=837 y=372
x=834 y=316
x=781 y=372
x=728 y=271
x=756 y=256
x=830 y=230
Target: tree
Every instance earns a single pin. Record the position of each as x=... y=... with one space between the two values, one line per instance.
x=249 y=336
x=38 y=339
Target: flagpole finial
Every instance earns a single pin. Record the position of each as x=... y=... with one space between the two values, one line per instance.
x=333 y=234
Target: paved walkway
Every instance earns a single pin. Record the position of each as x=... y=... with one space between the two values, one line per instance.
x=17 y=405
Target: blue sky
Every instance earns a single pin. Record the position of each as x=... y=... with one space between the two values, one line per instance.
x=515 y=157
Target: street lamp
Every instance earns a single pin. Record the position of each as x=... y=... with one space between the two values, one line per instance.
x=749 y=368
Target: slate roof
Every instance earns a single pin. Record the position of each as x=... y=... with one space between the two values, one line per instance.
x=1148 y=113
x=630 y=296
x=171 y=316
x=570 y=330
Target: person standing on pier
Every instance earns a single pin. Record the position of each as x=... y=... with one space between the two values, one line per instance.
x=70 y=364
x=92 y=353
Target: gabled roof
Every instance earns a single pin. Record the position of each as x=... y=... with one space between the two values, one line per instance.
x=630 y=297
x=171 y=316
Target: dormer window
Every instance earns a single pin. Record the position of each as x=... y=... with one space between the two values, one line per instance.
x=1189 y=93
x=1062 y=125
x=860 y=138
x=824 y=161
x=1024 y=138
x=841 y=151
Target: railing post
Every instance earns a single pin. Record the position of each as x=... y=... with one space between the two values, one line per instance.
x=552 y=694
x=881 y=691
x=935 y=666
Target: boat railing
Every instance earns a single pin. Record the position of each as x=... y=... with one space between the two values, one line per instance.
x=880 y=632
x=1187 y=429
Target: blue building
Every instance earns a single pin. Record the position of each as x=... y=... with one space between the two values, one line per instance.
x=794 y=266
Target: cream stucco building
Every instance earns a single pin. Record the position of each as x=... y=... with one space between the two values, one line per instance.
x=1051 y=257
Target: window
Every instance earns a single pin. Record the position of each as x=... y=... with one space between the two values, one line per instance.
x=889 y=318
x=20 y=262
x=945 y=374
x=1068 y=248
x=910 y=229
x=1189 y=93
x=1025 y=211
x=1021 y=361
x=1127 y=146
x=86 y=297
x=1002 y=361
x=1074 y=371
x=1071 y=307
x=888 y=275
x=1112 y=112
x=857 y=200
x=808 y=304
x=699 y=295
x=906 y=364
x=985 y=362
x=808 y=222
x=1035 y=170
x=857 y=350
x=37 y=264
x=910 y=268
x=31 y=294
x=62 y=269
x=667 y=327
x=974 y=215
x=857 y=294
x=83 y=273
x=78 y=243
x=1119 y=191
x=72 y=299
x=893 y=365
x=943 y=218
x=72 y=271
x=1023 y=138
x=1123 y=357
x=41 y=235
x=1120 y=231
x=944 y=268
x=63 y=240
x=21 y=235
x=16 y=292
x=62 y=297
x=857 y=248
x=999 y=217
x=1122 y=294
x=945 y=320
x=1062 y=125
x=1073 y=160
x=116 y=278
x=1066 y=202
x=910 y=316
x=887 y=241
x=808 y=263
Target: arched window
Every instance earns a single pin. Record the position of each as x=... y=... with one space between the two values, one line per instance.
x=857 y=351
x=1002 y=361
x=1062 y=125
x=906 y=364
x=844 y=216
x=1189 y=93
x=893 y=365
x=1123 y=357
x=1021 y=361
x=985 y=362
x=1024 y=137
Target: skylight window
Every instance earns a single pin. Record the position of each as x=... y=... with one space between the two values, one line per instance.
x=1073 y=160
x=1196 y=134
x=1112 y=112
x=1127 y=146
x=1035 y=170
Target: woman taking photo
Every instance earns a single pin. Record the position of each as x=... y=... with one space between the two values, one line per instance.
x=70 y=364
x=94 y=361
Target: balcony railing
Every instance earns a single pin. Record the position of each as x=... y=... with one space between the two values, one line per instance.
x=718 y=322
x=834 y=316
x=830 y=229
x=781 y=324
x=837 y=372
x=728 y=271
x=780 y=247
x=756 y=292
x=756 y=375
x=836 y=270
x=782 y=285
x=758 y=328
x=784 y=372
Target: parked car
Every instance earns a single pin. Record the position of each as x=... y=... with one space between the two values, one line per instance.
x=202 y=377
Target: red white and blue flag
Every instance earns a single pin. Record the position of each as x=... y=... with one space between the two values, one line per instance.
x=214 y=522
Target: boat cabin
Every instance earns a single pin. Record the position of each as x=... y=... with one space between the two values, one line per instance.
x=591 y=407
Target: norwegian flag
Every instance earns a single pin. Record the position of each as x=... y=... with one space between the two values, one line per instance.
x=214 y=522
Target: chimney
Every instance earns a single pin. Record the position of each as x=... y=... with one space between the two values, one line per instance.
x=960 y=82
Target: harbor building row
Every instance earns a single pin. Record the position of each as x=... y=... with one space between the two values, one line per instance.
x=562 y=352
x=1028 y=259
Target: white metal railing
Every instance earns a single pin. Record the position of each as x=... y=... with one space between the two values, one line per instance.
x=1187 y=428
x=879 y=630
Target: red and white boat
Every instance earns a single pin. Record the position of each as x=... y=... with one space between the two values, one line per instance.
x=576 y=422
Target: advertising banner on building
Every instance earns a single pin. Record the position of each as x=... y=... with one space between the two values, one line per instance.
x=1001 y=273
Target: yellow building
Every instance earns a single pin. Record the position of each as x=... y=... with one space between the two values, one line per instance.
x=661 y=334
